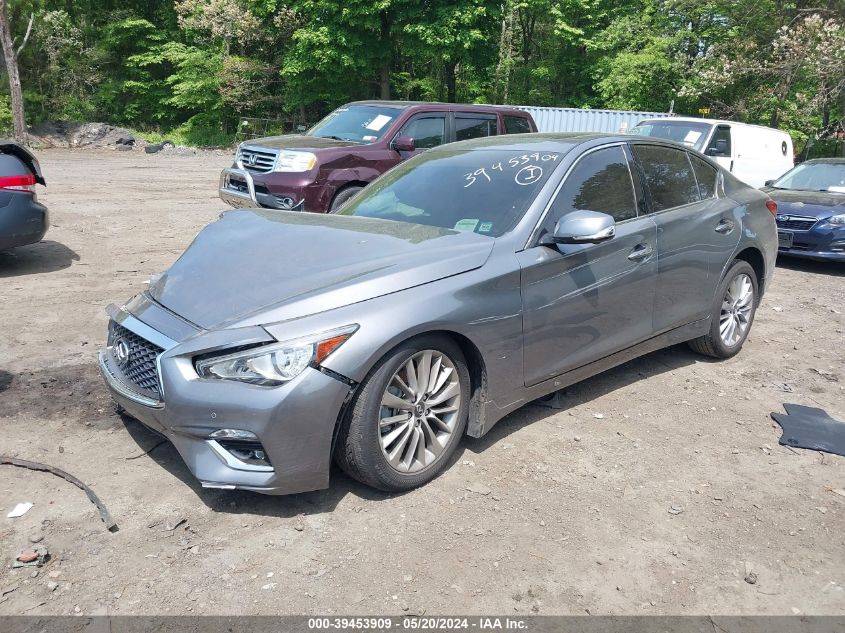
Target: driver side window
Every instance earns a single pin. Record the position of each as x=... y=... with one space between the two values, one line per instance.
x=600 y=181
x=427 y=130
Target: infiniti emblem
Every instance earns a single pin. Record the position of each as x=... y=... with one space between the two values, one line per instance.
x=121 y=351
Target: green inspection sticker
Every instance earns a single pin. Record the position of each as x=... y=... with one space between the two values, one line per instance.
x=485 y=227
x=467 y=224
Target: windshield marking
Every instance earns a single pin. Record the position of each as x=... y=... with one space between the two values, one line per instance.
x=528 y=175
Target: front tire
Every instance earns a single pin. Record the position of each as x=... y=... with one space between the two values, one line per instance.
x=733 y=313
x=343 y=196
x=408 y=416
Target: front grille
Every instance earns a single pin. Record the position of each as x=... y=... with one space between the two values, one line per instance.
x=256 y=159
x=797 y=223
x=139 y=369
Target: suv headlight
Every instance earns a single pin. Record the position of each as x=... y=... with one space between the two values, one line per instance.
x=290 y=161
x=837 y=220
x=276 y=363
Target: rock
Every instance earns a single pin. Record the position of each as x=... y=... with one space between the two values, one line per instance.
x=52 y=585
x=675 y=509
x=36 y=538
x=479 y=488
x=298 y=526
x=124 y=148
x=751 y=578
x=598 y=416
x=838 y=491
x=152 y=149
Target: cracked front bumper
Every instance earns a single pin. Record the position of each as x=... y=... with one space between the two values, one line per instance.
x=294 y=423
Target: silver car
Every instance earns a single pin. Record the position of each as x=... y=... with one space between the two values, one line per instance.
x=464 y=283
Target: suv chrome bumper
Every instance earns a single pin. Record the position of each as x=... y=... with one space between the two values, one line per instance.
x=234 y=195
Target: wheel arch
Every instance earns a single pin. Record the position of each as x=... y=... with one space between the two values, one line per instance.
x=754 y=257
x=475 y=365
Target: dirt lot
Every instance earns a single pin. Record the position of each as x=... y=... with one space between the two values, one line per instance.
x=655 y=492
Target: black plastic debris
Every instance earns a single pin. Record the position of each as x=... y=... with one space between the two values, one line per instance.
x=809 y=427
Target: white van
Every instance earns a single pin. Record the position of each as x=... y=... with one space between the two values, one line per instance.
x=753 y=153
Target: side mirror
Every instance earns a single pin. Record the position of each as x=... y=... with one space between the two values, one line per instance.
x=404 y=144
x=768 y=183
x=583 y=227
x=720 y=148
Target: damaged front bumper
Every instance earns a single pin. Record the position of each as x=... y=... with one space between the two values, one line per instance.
x=231 y=435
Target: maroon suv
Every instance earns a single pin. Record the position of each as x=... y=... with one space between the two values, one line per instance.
x=352 y=146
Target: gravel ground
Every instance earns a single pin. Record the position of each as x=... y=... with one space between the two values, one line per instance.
x=659 y=489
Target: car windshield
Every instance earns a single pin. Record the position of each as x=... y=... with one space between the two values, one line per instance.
x=362 y=124
x=814 y=177
x=690 y=134
x=484 y=190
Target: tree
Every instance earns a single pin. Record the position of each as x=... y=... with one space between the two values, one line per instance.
x=11 y=56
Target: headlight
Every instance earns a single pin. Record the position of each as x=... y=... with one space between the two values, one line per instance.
x=277 y=363
x=838 y=220
x=295 y=161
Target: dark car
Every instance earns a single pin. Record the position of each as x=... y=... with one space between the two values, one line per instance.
x=462 y=284
x=811 y=209
x=23 y=220
x=351 y=147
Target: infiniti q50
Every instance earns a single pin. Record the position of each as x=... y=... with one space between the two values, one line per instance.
x=464 y=283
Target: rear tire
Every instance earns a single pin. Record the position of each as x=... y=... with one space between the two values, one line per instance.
x=734 y=307
x=343 y=196
x=404 y=425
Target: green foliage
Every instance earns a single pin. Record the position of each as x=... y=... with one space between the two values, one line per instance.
x=5 y=115
x=194 y=67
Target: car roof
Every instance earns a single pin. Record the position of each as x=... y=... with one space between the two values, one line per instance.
x=832 y=161
x=458 y=107
x=692 y=119
x=541 y=141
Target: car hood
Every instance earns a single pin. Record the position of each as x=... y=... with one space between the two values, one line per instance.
x=819 y=204
x=300 y=142
x=255 y=267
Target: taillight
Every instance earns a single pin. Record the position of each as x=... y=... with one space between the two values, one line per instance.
x=772 y=206
x=21 y=182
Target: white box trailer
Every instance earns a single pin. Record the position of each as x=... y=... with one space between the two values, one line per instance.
x=752 y=153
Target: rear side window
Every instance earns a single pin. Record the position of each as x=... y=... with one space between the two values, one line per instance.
x=474 y=127
x=667 y=174
x=601 y=182
x=706 y=175
x=516 y=125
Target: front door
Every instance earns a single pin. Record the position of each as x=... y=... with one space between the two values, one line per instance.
x=584 y=302
x=428 y=130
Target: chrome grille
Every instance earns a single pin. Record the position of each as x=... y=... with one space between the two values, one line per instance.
x=796 y=223
x=140 y=367
x=257 y=159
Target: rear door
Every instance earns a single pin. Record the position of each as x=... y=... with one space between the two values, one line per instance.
x=474 y=125
x=582 y=302
x=697 y=231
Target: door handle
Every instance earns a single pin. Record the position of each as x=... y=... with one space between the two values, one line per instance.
x=724 y=227
x=640 y=252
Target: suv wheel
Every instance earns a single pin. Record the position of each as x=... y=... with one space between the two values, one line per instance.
x=343 y=196
x=733 y=313
x=408 y=416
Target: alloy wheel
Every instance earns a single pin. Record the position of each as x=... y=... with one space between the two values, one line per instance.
x=737 y=305
x=419 y=411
